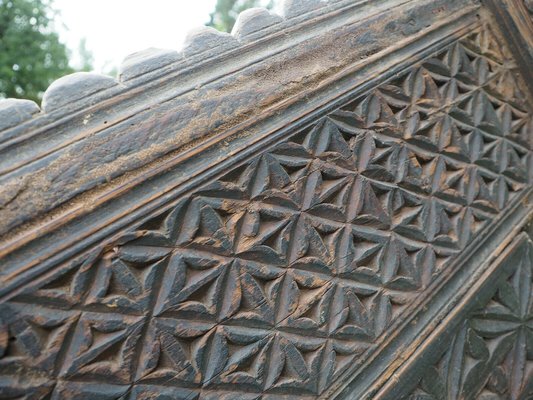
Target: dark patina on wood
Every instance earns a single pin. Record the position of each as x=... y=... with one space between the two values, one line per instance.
x=329 y=204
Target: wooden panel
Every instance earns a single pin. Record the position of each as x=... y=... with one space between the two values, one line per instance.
x=344 y=248
x=137 y=123
x=485 y=349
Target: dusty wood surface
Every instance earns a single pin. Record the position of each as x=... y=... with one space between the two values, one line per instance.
x=332 y=204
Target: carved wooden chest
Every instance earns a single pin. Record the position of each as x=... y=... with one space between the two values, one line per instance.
x=333 y=203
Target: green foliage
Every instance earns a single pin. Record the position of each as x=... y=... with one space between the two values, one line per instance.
x=226 y=12
x=31 y=55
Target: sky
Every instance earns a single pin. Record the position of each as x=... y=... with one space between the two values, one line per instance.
x=115 y=28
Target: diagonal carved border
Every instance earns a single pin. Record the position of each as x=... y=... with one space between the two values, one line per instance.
x=485 y=354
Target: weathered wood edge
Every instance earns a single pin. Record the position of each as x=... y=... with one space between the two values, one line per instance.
x=479 y=293
x=204 y=110
x=517 y=24
x=202 y=45
x=46 y=248
x=431 y=307
x=149 y=93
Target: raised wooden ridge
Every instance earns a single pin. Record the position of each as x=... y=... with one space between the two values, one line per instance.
x=200 y=44
x=104 y=128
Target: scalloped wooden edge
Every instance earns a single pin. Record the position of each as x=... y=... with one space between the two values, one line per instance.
x=204 y=42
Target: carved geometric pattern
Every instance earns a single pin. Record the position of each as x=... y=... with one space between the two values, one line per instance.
x=279 y=276
x=491 y=356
